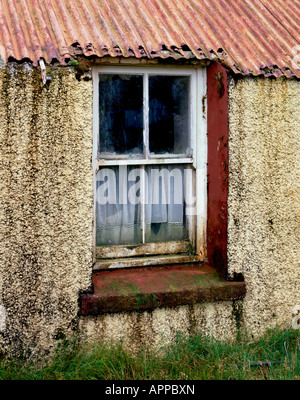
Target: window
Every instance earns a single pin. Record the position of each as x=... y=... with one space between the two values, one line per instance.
x=150 y=153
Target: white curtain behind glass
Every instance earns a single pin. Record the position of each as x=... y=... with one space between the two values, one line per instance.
x=119 y=220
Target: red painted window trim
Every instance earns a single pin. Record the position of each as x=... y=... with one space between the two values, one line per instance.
x=217 y=194
x=217 y=167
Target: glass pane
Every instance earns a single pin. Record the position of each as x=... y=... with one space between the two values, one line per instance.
x=165 y=212
x=118 y=206
x=121 y=114
x=169 y=114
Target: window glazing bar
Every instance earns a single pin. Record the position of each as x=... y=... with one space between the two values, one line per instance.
x=154 y=161
x=146 y=115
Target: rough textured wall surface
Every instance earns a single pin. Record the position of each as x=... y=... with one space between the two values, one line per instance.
x=160 y=327
x=46 y=205
x=264 y=197
x=46 y=189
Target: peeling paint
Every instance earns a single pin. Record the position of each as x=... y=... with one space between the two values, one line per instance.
x=46 y=213
x=264 y=169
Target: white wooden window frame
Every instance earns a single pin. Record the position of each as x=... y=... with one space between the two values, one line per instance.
x=168 y=252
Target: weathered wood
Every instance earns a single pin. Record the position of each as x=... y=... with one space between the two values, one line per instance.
x=145 y=249
x=144 y=261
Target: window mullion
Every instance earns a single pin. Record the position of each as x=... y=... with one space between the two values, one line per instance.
x=146 y=154
x=143 y=207
x=146 y=116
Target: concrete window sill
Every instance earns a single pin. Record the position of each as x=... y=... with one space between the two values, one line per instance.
x=145 y=289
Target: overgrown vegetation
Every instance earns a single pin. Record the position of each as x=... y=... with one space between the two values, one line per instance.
x=192 y=358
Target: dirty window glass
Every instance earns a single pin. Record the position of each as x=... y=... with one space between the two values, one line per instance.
x=144 y=152
x=169 y=114
x=119 y=211
x=165 y=209
x=121 y=114
x=118 y=218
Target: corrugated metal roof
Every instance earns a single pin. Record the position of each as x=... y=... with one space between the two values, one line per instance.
x=249 y=36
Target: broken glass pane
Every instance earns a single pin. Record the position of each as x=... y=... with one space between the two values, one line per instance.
x=169 y=118
x=121 y=114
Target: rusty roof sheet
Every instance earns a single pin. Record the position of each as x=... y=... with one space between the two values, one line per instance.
x=248 y=36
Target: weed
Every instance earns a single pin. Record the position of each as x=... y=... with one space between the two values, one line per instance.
x=192 y=357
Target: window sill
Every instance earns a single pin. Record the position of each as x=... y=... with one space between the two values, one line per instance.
x=133 y=262
x=148 y=288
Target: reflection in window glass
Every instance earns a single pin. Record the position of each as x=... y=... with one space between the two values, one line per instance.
x=169 y=114
x=121 y=114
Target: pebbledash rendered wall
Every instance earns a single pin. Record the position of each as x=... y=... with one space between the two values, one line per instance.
x=46 y=197
x=264 y=197
x=46 y=204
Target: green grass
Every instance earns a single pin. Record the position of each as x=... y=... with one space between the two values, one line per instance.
x=189 y=358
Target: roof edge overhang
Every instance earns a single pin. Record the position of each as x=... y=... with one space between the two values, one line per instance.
x=169 y=59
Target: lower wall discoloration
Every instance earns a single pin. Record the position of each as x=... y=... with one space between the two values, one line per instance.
x=46 y=187
x=158 y=328
x=46 y=215
x=264 y=197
